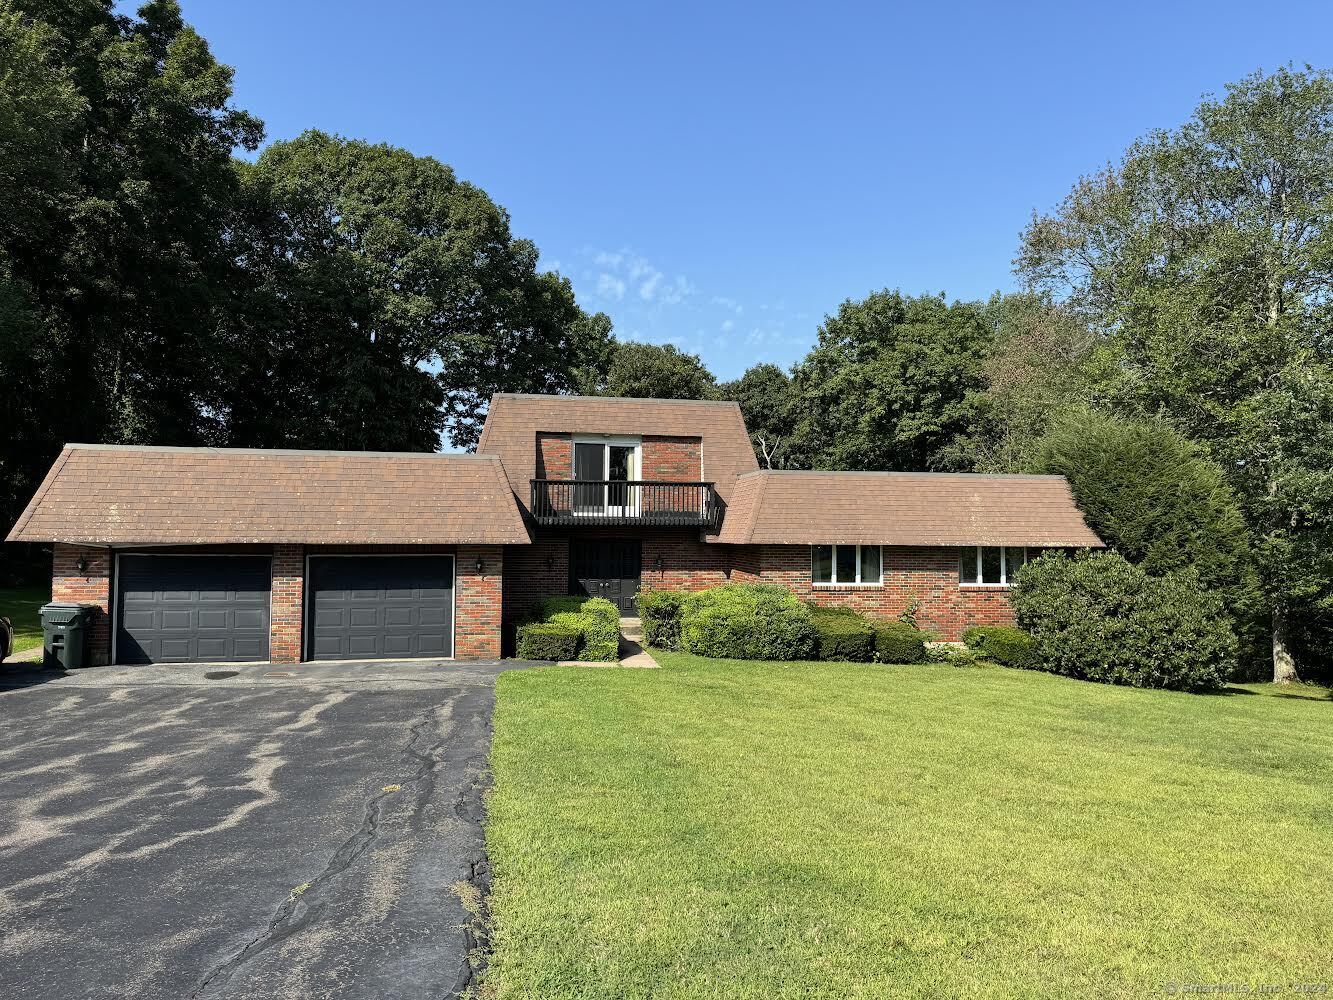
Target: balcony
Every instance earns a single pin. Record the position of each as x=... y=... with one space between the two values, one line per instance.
x=620 y=503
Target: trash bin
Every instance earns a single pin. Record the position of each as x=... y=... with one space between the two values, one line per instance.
x=65 y=635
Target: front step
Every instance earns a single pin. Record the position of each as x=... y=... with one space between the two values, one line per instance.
x=632 y=628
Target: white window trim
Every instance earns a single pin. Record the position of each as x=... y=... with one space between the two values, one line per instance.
x=1004 y=583
x=838 y=583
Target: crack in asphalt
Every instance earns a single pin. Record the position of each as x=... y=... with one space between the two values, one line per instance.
x=286 y=920
x=470 y=806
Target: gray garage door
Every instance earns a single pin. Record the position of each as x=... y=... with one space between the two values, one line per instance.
x=200 y=609
x=376 y=607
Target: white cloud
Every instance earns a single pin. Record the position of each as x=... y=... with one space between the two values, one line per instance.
x=728 y=326
x=610 y=287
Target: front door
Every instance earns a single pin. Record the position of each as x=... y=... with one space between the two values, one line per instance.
x=606 y=567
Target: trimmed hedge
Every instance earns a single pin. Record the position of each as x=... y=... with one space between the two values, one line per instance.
x=898 y=642
x=548 y=641
x=1003 y=644
x=594 y=620
x=747 y=621
x=842 y=634
x=660 y=611
x=1101 y=618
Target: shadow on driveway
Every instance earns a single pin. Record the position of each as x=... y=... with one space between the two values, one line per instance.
x=312 y=831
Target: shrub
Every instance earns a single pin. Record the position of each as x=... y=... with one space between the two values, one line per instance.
x=548 y=641
x=660 y=611
x=1003 y=644
x=898 y=642
x=842 y=634
x=747 y=621
x=955 y=656
x=595 y=619
x=1102 y=618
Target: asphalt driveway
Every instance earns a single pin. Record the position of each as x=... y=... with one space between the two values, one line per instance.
x=285 y=832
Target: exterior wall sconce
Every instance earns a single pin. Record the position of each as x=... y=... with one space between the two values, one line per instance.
x=481 y=565
x=550 y=563
x=81 y=564
x=657 y=564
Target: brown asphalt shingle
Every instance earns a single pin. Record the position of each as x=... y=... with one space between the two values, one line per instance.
x=904 y=508
x=106 y=494
x=514 y=420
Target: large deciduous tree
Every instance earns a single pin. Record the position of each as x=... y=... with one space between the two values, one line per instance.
x=1205 y=259
x=893 y=383
x=764 y=393
x=116 y=138
x=657 y=371
x=386 y=300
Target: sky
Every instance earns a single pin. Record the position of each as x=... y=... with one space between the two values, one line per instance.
x=721 y=176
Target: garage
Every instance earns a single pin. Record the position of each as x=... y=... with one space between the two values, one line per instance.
x=191 y=609
x=380 y=607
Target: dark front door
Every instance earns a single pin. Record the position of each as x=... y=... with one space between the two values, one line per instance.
x=201 y=609
x=377 y=607
x=607 y=567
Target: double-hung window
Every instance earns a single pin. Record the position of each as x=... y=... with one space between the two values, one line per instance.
x=990 y=565
x=843 y=564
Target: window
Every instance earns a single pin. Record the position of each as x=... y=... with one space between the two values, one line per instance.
x=605 y=468
x=831 y=564
x=990 y=565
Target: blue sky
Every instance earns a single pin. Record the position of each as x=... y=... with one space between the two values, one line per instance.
x=721 y=176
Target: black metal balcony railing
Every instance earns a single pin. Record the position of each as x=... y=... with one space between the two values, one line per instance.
x=616 y=502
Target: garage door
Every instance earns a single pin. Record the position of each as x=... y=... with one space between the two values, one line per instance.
x=192 y=609
x=377 y=607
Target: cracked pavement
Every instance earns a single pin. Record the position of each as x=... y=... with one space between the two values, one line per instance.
x=309 y=831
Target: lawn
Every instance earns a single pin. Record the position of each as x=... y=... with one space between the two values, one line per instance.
x=20 y=605
x=757 y=830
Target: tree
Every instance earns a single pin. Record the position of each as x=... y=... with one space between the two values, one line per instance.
x=764 y=393
x=893 y=383
x=1042 y=361
x=1205 y=260
x=116 y=138
x=385 y=302
x=657 y=371
x=1154 y=497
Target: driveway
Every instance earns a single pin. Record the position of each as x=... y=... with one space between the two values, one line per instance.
x=308 y=831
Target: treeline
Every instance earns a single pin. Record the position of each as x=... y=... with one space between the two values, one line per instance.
x=1171 y=352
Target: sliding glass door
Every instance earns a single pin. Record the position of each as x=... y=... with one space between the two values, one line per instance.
x=606 y=469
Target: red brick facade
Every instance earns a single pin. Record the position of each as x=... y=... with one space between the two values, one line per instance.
x=672 y=459
x=926 y=575
x=288 y=604
x=91 y=586
x=478 y=602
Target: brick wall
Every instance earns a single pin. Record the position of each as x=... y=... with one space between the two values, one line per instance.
x=478 y=602
x=672 y=459
x=528 y=577
x=92 y=586
x=928 y=575
x=555 y=456
x=681 y=562
x=285 y=640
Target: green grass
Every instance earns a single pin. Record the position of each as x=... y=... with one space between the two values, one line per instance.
x=758 y=830
x=20 y=605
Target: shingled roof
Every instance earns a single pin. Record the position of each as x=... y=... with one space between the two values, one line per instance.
x=514 y=420
x=904 y=508
x=106 y=494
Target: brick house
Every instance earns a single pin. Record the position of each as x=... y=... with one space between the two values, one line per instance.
x=215 y=555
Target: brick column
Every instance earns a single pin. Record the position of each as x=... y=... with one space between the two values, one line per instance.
x=284 y=642
x=478 y=602
x=91 y=586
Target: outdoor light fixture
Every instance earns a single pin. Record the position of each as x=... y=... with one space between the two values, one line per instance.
x=81 y=564
x=481 y=564
x=658 y=563
x=550 y=563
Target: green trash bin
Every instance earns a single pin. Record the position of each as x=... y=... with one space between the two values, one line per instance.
x=65 y=635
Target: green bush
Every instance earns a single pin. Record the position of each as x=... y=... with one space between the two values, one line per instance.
x=596 y=620
x=898 y=642
x=955 y=656
x=1101 y=618
x=842 y=634
x=660 y=611
x=548 y=641
x=1003 y=644
x=747 y=621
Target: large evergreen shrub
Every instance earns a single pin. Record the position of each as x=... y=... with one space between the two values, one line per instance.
x=747 y=621
x=842 y=634
x=899 y=642
x=660 y=612
x=1101 y=618
x=594 y=619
